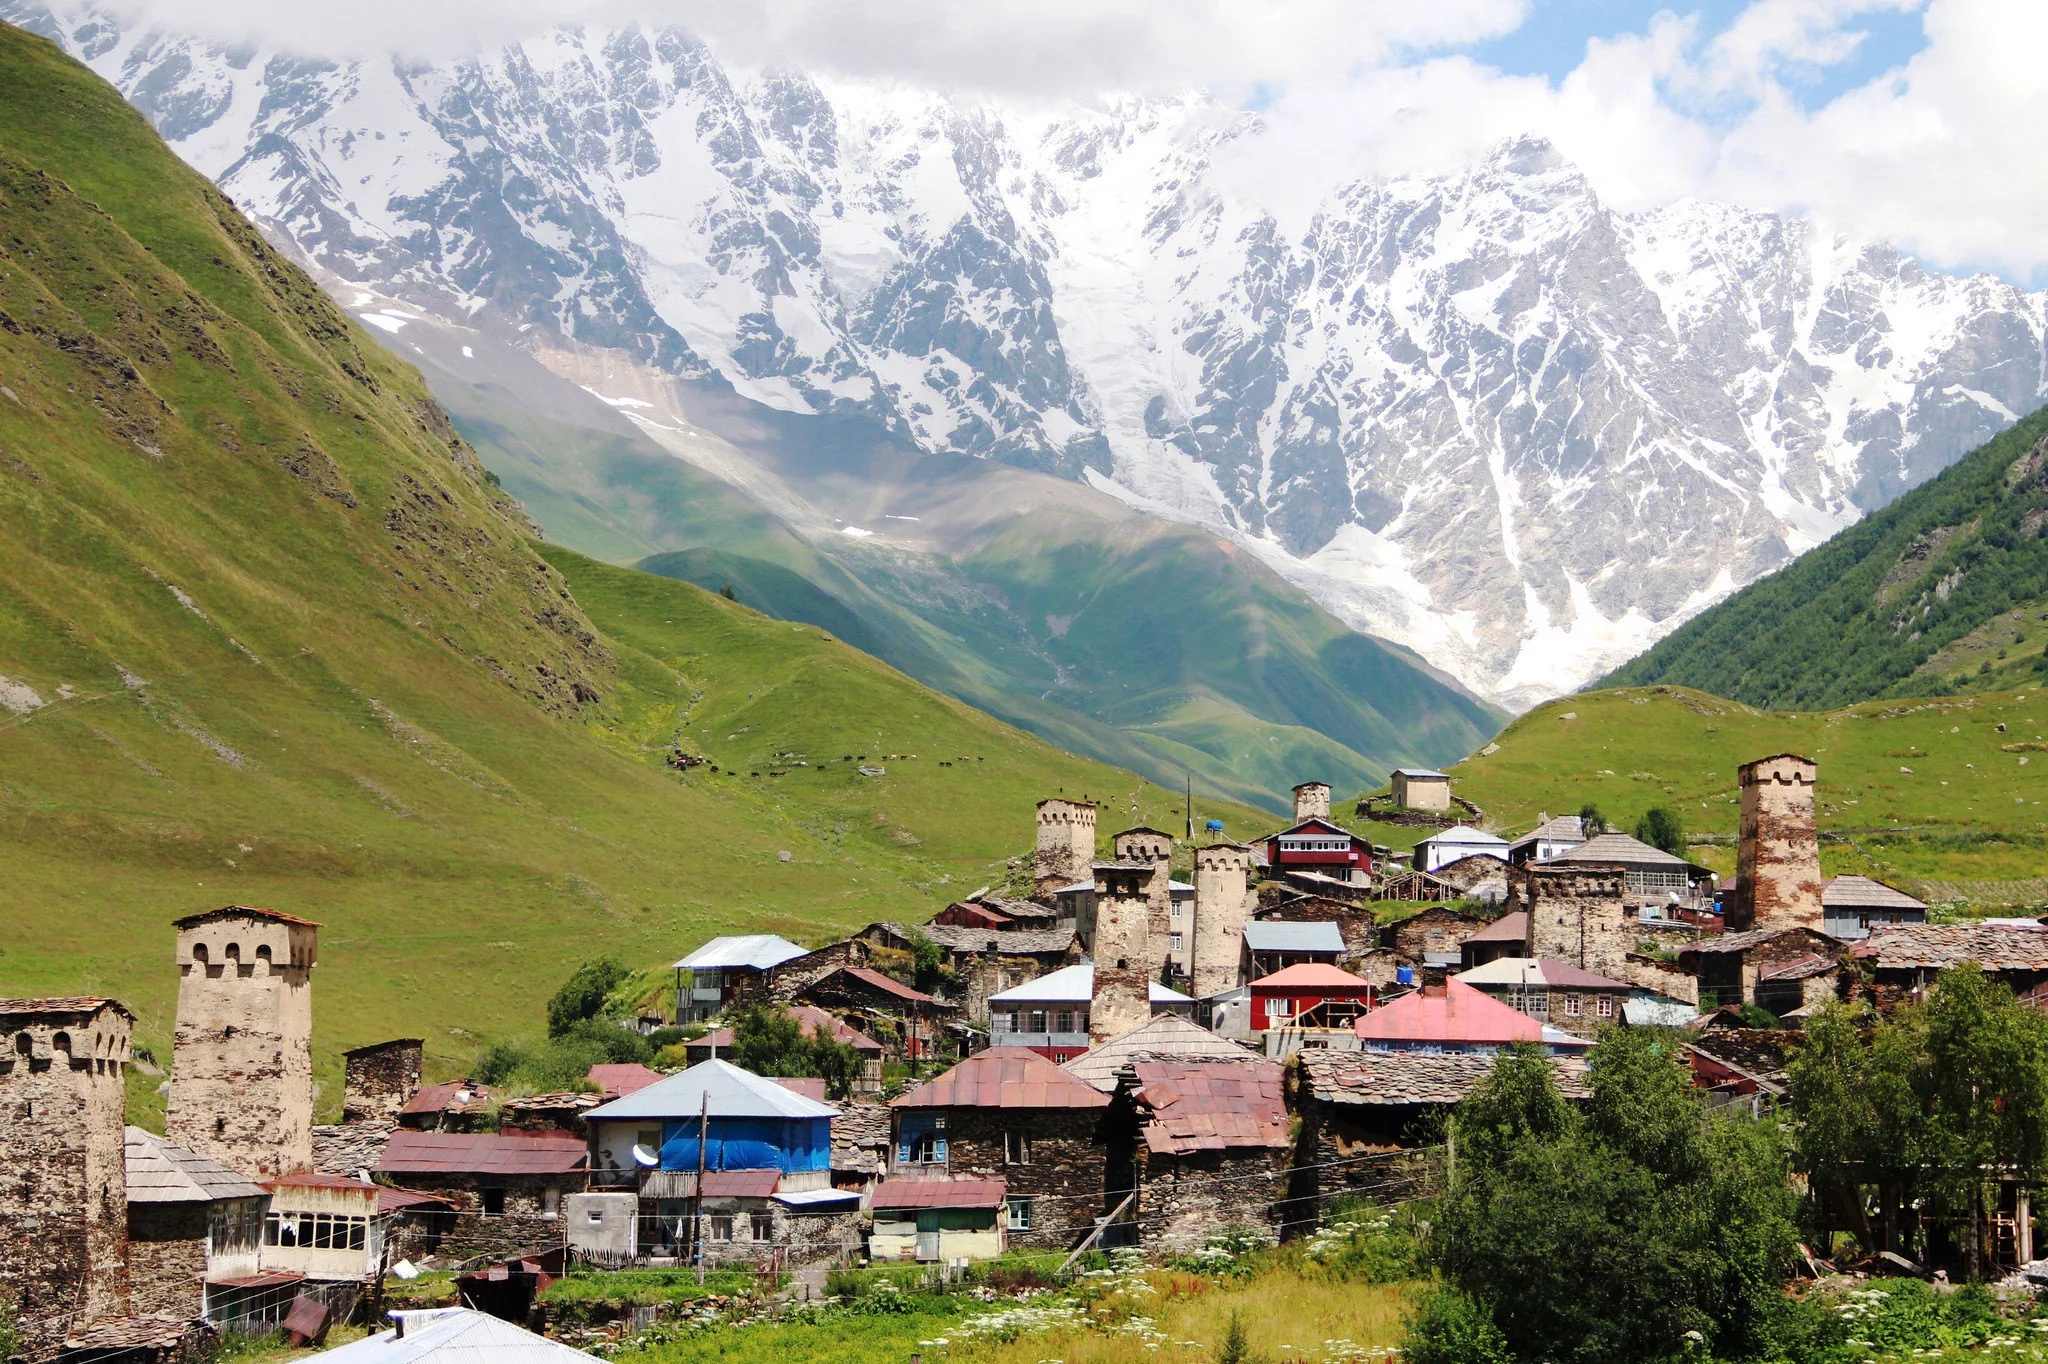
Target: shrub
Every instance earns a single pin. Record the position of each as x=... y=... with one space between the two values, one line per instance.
x=1450 y=1328
x=582 y=995
x=1235 y=1348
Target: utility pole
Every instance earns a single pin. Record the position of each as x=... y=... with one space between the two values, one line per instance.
x=1189 y=805
x=703 y=1140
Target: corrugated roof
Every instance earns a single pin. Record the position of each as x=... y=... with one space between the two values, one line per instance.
x=1312 y=975
x=1860 y=892
x=536 y=1153
x=1934 y=946
x=244 y=912
x=818 y=1198
x=810 y=1086
x=1420 y=772
x=894 y=1194
x=757 y=950
x=1459 y=1014
x=1268 y=935
x=733 y=1093
x=159 y=1172
x=1211 y=1106
x=398 y=1200
x=457 y=1096
x=1004 y=1077
x=621 y=1079
x=454 y=1335
x=867 y=975
x=1612 y=847
x=1548 y=972
x=1074 y=985
x=1508 y=928
x=1414 y=1077
x=814 y=1020
x=1464 y=835
x=1562 y=829
x=1164 y=1037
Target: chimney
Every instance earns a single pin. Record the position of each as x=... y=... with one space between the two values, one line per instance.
x=1311 y=801
x=1434 y=982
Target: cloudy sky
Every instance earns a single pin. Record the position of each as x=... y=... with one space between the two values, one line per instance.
x=1921 y=121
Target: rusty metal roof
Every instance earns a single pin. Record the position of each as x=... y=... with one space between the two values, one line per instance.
x=1211 y=1106
x=616 y=1080
x=449 y=1097
x=494 y=1153
x=810 y=1086
x=893 y=1194
x=1397 y=1078
x=867 y=975
x=1934 y=946
x=1507 y=928
x=246 y=911
x=398 y=1200
x=1004 y=1077
x=311 y=1179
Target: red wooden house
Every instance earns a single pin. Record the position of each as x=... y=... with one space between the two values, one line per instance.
x=1309 y=995
x=1318 y=847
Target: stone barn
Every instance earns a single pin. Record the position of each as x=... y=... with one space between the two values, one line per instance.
x=377 y=1080
x=191 y=1222
x=1732 y=967
x=1205 y=1143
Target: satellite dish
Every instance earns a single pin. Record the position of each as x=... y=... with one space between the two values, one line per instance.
x=643 y=1156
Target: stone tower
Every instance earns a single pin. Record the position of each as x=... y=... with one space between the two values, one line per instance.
x=1578 y=914
x=1311 y=801
x=64 y=1195
x=377 y=1080
x=242 y=1061
x=1120 y=948
x=1066 y=844
x=1777 y=862
x=1224 y=901
x=1156 y=849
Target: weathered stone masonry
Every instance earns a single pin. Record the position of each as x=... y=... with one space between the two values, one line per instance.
x=1777 y=858
x=378 y=1079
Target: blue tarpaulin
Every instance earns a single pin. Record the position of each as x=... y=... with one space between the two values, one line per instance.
x=749 y=1144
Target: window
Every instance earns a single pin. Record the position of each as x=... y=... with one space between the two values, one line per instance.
x=550 y=1202
x=1606 y=1007
x=1020 y=1214
x=1173 y=942
x=721 y=1226
x=1572 y=1005
x=1064 y=1021
x=1037 y=1020
x=1016 y=1147
x=494 y=1202
x=1003 y=1022
x=1279 y=1008
x=1176 y=909
x=761 y=1226
x=649 y=1137
x=921 y=1140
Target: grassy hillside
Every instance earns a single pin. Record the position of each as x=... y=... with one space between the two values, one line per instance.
x=1930 y=795
x=269 y=635
x=1945 y=591
x=1133 y=639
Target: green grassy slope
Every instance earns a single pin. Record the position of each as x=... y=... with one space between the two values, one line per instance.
x=1967 y=823
x=269 y=636
x=1943 y=591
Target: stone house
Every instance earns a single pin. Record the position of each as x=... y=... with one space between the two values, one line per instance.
x=1507 y=936
x=1578 y=912
x=1013 y=1115
x=1651 y=877
x=1902 y=962
x=191 y=1222
x=1554 y=992
x=1356 y=924
x=940 y=1221
x=505 y=1188
x=1166 y=1037
x=1741 y=1061
x=1421 y=788
x=1854 y=907
x=983 y=962
x=1730 y=965
x=728 y=970
x=895 y=1019
x=1435 y=937
x=1206 y=1145
x=63 y=1204
x=377 y=1080
x=1479 y=876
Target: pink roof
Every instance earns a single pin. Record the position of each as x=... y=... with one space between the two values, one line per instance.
x=814 y=1020
x=1507 y=928
x=889 y=985
x=1459 y=1014
x=1211 y=1106
x=533 y=1153
x=810 y=1087
x=1310 y=976
x=617 y=1081
x=939 y=1193
x=1004 y=1077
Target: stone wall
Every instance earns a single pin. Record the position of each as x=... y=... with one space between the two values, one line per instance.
x=64 y=1194
x=531 y=1216
x=1066 y=844
x=1311 y=801
x=782 y=984
x=1065 y=1171
x=1185 y=1200
x=1121 y=949
x=242 y=1061
x=1777 y=857
x=1663 y=977
x=1434 y=932
x=1577 y=914
x=1356 y=924
x=166 y=1258
x=1224 y=903
x=1155 y=849
x=378 y=1079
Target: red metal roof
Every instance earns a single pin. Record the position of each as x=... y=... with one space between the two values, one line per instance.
x=276 y=916
x=494 y=1153
x=398 y=1200
x=939 y=1193
x=869 y=976
x=1311 y=977
x=617 y=1081
x=1213 y=1106
x=1507 y=928
x=814 y=1020
x=1004 y=1077
x=1459 y=1014
x=437 y=1098
x=808 y=1086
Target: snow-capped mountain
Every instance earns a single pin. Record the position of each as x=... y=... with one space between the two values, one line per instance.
x=1479 y=413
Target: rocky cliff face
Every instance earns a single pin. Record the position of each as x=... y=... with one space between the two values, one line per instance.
x=1479 y=413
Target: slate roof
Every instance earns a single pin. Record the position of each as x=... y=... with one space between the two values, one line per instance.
x=1802 y=968
x=1860 y=892
x=454 y=1335
x=159 y=1172
x=241 y=911
x=1558 y=830
x=1717 y=943
x=1512 y=928
x=68 y=1006
x=1004 y=1077
x=734 y=1093
x=1413 y=1077
x=1164 y=1037
x=1269 y=935
x=1019 y=941
x=1759 y=1053
x=1460 y=1014
x=479 y=1153
x=1211 y=1106
x=756 y=950
x=939 y=1193
x=1547 y=972
x=345 y=1147
x=1019 y=909
x=1935 y=946
x=1075 y=985
x=1621 y=848
x=860 y=1134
